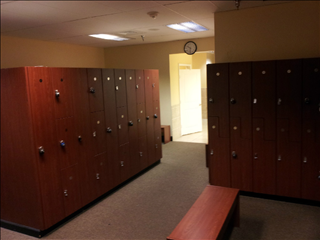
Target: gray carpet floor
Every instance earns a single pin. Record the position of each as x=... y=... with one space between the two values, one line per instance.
x=150 y=206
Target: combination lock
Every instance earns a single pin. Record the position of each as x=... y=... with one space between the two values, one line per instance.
x=57 y=94
x=92 y=90
x=130 y=123
x=62 y=143
x=155 y=116
x=234 y=155
x=109 y=130
x=41 y=150
x=233 y=101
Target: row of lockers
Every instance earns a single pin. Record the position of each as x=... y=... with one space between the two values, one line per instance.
x=83 y=132
x=264 y=126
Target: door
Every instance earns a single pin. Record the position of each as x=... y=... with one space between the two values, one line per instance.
x=190 y=101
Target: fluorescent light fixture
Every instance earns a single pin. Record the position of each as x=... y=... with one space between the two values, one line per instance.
x=109 y=37
x=187 y=27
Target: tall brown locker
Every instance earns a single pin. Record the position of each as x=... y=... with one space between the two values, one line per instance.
x=68 y=136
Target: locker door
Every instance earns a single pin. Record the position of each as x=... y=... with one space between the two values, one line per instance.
x=241 y=157
x=156 y=115
x=264 y=95
x=264 y=159
x=149 y=116
x=141 y=115
x=143 y=152
x=123 y=125
x=140 y=86
x=40 y=88
x=71 y=189
x=311 y=88
x=67 y=141
x=218 y=95
x=155 y=84
x=288 y=162
x=310 y=186
x=289 y=95
x=124 y=159
x=62 y=84
x=98 y=132
x=111 y=126
x=218 y=155
x=158 y=145
x=99 y=175
x=240 y=96
x=120 y=87
x=95 y=89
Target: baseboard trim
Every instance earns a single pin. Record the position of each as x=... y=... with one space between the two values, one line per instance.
x=40 y=233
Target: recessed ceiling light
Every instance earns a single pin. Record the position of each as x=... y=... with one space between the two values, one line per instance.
x=187 y=27
x=109 y=37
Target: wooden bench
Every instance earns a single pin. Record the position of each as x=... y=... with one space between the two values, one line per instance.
x=165 y=130
x=210 y=215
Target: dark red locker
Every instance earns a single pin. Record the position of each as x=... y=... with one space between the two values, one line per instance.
x=155 y=84
x=218 y=155
x=140 y=86
x=62 y=84
x=67 y=141
x=40 y=88
x=241 y=157
x=95 y=89
x=120 y=87
x=264 y=159
x=218 y=95
x=111 y=126
x=158 y=145
x=99 y=176
x=71 y=189
x=99 y=134
x=141 y=119
x=288 y=165
x=240 y=96
x=289 y=95
x=123 y=131
x=264 y=95
x=311 y=88
x=143 y=152
x=124 y=161
x=310 y=187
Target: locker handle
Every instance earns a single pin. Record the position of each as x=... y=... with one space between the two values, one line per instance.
x=211 y=153
x=256 y=156
x=140 y=154
x=211 y=100
x=65 y=192
x=121 y=163
x=139 y=120
x=92 y=90
x=130 y=123
x=233 y=101
x=155 y=116
x=279 y=101
x=57 y=94
x=137 y=86
x=98 y=176
x=109 y=130
x=156 y=145
x=94 y=134
x=307 y=101
x=79 y=138
x=279 y=158
x=234 y=155
x=41 y=150
x=62 y=143
x=147 y=117
x=305 y=160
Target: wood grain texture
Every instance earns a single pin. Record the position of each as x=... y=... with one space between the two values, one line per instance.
x=209 y=215
x=18 y=157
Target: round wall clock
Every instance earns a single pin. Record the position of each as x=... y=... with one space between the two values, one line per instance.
x=190 y=48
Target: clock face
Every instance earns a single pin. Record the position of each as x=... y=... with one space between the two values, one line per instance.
x=190 y=48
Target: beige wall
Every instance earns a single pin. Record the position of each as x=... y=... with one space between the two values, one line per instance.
x=19 y=52
x=281 y=31
x=154 y=56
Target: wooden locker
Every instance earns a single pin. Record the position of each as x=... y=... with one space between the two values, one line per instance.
x=264 y=95
x=156 y=115
x=122 y=117
x=218 y=95
x=71 y=189
x=99 y=175
x=218 y=155
x=67 y=141
x=158 y=145
x=120 y=87
x=40 y=92
x=289 y=95
x=143 y=152
x=141 y=119
x=140 y=86
x=19 y=155
x=155 y=84
x=98 y=132
x=288 y=162
x=240 y=96
x=264 y=159
x=241 y=157
x=111 y=126
x=95 y=89
x=124 y=161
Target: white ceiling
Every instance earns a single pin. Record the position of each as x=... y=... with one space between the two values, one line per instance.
x=72 y=21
